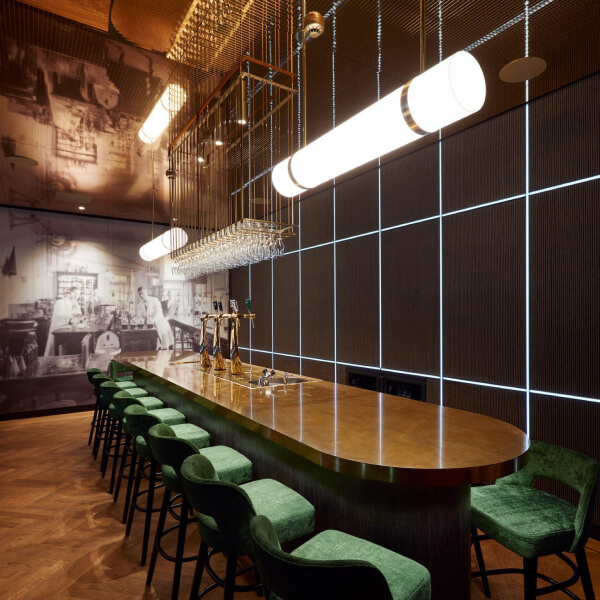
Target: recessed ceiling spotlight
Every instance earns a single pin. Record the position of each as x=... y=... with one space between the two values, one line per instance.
x=241 y=121
x=523 y=69
x=218 y=143
x=200 y=159
x=21 y=161
x=81 y=207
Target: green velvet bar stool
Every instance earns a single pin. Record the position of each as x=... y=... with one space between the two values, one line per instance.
x=138 y=421
x=107 y=390
x=102 y=416
x=335 y=565
x=171 y=450
x=532 y=523
x=90 y=374
x=120 y=401
x=224 y=513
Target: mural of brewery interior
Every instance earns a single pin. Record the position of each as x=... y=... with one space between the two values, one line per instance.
x=70 y=299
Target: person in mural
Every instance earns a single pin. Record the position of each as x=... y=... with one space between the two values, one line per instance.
x=170 y=306
x=66 y=312
x=150 y=309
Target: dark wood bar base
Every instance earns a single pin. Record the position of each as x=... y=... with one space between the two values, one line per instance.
x=430 y=524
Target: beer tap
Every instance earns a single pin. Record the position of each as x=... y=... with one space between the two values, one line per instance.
x=205 y=356
x=219 y=362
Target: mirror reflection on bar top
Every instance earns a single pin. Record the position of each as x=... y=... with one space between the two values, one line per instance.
x=358 y=432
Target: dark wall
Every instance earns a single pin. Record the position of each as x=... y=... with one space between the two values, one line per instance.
x=512 y=272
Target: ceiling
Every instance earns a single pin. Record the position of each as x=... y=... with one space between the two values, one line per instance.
x=77 y=79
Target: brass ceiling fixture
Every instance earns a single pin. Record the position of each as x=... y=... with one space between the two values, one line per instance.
x=224 y=142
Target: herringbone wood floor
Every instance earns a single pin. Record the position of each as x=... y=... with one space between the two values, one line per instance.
x=61 y=537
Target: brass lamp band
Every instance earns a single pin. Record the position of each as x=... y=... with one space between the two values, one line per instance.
x=294 y=180
x=408 y=118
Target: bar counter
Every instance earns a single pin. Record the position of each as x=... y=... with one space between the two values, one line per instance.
x=389 y=469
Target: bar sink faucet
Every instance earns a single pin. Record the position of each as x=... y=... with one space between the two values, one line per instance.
x=266 y=376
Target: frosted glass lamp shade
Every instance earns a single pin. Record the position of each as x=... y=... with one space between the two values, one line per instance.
x=452 y=90
x=170 y=102
x=163 y=244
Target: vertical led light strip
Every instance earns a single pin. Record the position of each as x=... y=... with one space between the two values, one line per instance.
x=527 y=311
x=299 y=203
x=333 y=51
x=379 y=187
x=269 y=39
x=440 y=249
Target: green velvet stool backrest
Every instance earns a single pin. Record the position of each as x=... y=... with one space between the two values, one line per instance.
x=91 y=372
x=227 y=503
x=140 y=420
x=97 y=380
x=121 y=400
x=107 y=390
x=295 y=578
x=565 y=466
x=168 y=449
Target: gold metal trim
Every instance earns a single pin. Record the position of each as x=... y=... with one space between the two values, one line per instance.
x=408 y=118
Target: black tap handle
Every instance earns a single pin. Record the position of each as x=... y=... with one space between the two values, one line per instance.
x=215 y=305
x=220 y=306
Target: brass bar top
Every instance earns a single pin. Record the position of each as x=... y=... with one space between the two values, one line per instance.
x=360 y=433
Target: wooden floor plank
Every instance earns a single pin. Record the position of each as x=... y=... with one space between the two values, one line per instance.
x=61 y=536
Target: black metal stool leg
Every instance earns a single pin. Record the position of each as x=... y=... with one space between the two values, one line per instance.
x=230 y=577
x=159 y=528
x=108 y=440
x=136 y=489
x=149 y=503
x=183 y=521
x=113 y=474
x=199 y=570
x=480 y=562
x=94 y=423
x=122 y=467
x=134 y=460
x=99 y=432
x=584 y=573
x=530 y=579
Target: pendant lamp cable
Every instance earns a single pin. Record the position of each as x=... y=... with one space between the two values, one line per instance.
x=153 y=190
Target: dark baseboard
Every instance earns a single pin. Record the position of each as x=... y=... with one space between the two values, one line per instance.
x=28 y=414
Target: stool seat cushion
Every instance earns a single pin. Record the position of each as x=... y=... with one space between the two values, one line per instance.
x=229 y=464
x=150 y=402
x=142 y=448
x=137 y=392
x=291 y=515
x=407 y=579
x=170 y=479
x=123 y=378
x=192 y=433
x=523 y=519
x=112 y=411
x=170 y=416
x=125 y=385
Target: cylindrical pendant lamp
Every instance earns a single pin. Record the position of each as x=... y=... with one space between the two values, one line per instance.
x=170 y=102
x=163 y=244
x=448 y=92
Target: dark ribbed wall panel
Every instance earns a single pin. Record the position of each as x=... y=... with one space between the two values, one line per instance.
x=569 y=423
x=484 y=294
x=318 y=303
x=262 y=359
x=317 y=218
x=432 y=391
x=357 y=205
x=484 y=163
x=358 y=301
x=287 y=364
x=506 y=405
x=261 y=305
x=410 y=300
x=565 y=290
x=410 y=187
x=320 y=370
x=238 y=290
x=565 y=129
x=286 y=305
